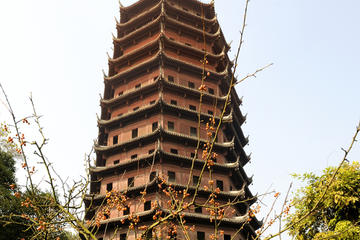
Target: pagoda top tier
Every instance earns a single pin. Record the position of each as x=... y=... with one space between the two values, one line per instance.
x=195 y=6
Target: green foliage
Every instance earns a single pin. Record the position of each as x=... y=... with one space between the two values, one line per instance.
x=338 y=214
x=7 y=171
x=11 y=225
x=9 y=205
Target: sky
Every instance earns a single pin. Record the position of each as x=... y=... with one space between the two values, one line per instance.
x=301 y=111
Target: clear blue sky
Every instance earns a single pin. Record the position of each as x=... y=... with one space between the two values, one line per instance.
x=300 y=111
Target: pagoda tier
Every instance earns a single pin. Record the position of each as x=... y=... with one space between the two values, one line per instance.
x=152 y=122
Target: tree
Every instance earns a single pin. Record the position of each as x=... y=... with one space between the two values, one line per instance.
x=337 y=216
x=13 y=204
x=9 y=204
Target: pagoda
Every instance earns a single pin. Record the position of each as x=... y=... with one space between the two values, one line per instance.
x=169 y=76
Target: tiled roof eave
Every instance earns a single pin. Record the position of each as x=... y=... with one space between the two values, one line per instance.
x=170 y=59
x=239 y=194
x=122 y=164
x=126 y=115
x=108 y=102
x=207 y=20
x=165 y=133
x=133 y=69
x=221 y=166
x=162 y=105
x=198 y=68
x=115 y=100
x=136 y=4
x=135 y=51
x=99 y=148
x=239 y=221
x=141 y=29
x=193 y=49
x=152 y=9
x=197 y=92
x=195 y=139
x=187 y=26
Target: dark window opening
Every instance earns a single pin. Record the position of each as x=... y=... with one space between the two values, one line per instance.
x=105 y=139
x=192 y=155
x=173 y=102
x=170 y=78
x=109 y=187
x=116 y=162
x=231 y=188
x=134 y=133
x=138 y=85
x=220 y=185
x=154 y=126
x=171 y=126
x=227 y=237
x=155 y=78
x=211 y=91
x=198 y=209
x=188 y=44
x=193 y=131
x=134 y=156
x=126 y=211
x=152 y=176
x=151 y=151
x=210 y=112
x=147 y=205
x=196 y=180
x=191 y=85
x=152 y=102
x=200 y=236
x=136 y=108
x=131 y=182
x=121 y=93
x=171 y=176
x=174 y=151
x=192 y=107
x=115 y=139
x=120 y=114
x=123 y=236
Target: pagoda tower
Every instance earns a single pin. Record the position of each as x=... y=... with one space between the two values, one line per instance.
x=169 y=76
